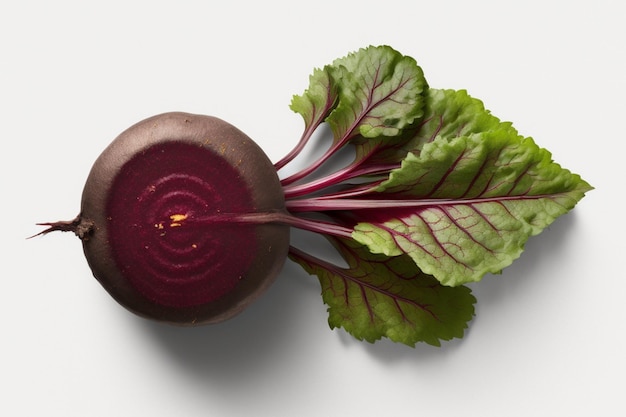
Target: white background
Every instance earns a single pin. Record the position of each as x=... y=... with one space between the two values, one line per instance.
x=549 y=335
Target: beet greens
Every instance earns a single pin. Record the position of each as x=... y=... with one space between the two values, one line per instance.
x=440 y=193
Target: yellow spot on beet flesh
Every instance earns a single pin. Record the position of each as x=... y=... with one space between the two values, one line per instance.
x=177 y=219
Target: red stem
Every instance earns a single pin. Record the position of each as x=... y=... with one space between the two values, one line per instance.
x=304 y=139
x=282 y=217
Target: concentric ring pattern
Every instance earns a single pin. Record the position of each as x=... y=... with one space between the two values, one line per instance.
x=156 y=236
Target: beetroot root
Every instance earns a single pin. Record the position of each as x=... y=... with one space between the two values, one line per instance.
x=173 y=219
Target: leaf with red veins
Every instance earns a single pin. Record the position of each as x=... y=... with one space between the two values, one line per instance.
x=317 y=101
x=453 y=113
x=374 y=92
x=380 y=93
x=476 y=201
x=448 y=114
x=378 y=296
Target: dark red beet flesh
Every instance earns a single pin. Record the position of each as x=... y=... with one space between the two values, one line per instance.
x=154 y=240
x=159 y=219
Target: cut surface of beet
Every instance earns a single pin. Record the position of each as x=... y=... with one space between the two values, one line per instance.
x=156 y=239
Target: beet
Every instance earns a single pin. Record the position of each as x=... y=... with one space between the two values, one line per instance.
x=185 y=220
x=167 y=219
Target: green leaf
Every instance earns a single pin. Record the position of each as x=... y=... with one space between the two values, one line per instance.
x=318 y=100
x=380 y=93
x=454 y=113
x=447 y=114
x=378 y=296
x=469 y=204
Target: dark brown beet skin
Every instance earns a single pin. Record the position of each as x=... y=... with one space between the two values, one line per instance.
x=159 y=219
